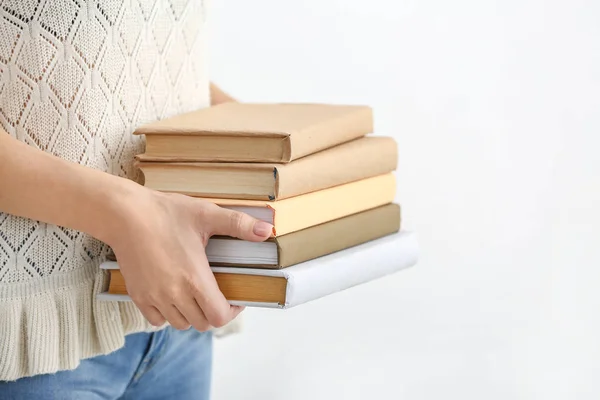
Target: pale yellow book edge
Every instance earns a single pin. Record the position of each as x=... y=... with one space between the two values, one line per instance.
x=300 y=212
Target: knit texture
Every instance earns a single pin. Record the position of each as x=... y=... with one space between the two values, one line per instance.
x=76 y=78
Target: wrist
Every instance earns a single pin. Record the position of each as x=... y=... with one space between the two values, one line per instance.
x=118 y=207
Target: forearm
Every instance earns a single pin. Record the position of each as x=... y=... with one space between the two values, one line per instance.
x=218 y=96
x=39 y=186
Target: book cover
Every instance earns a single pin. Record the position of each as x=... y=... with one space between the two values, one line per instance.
x=358 y=159
x=251 y=132
x=301 y=212
x=308 y=281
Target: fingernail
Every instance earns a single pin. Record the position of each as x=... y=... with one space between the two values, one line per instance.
x=262 y=228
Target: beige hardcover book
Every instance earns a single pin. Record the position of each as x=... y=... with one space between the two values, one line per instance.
x=358 y=159
x=307 y=244
x=301 y=212
x=249 y=132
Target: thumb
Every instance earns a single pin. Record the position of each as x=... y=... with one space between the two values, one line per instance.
x=232 y=223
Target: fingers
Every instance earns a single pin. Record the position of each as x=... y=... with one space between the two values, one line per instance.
x=194 y=315
x=237 y=310
x=153 y=315
x=199 y=303
x=174 y=316
x=179 y=316
x=227 y=222
x=218 y=315
x=189 y=312
x=205 y=290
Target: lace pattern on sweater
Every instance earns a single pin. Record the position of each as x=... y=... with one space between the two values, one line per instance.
x=76 y=78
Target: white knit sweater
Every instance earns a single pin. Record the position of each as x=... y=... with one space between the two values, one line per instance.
x=76 y=78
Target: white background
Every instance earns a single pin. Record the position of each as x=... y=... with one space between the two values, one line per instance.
x=494 y=105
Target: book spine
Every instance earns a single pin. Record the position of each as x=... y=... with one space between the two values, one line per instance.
x=359 y=159
x=338 y=235
x=327 y=135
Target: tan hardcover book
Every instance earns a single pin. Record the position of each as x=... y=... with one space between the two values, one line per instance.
x=307 y=244
x=358 y=159
x=301 y=212
x=249 y=132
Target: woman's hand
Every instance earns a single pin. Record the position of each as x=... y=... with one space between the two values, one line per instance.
x=160 y=251
x=159 y=239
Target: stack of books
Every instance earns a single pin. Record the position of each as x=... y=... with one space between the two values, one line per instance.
x=314 y=171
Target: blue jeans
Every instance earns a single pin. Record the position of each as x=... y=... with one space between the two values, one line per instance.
x=168 y=364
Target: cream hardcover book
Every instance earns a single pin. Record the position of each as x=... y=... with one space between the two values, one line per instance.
x=301 y=212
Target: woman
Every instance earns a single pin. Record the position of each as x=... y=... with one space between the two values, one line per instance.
x=76 y=79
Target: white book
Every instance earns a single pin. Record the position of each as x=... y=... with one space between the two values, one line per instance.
x=325 y=275
x=228 y=251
